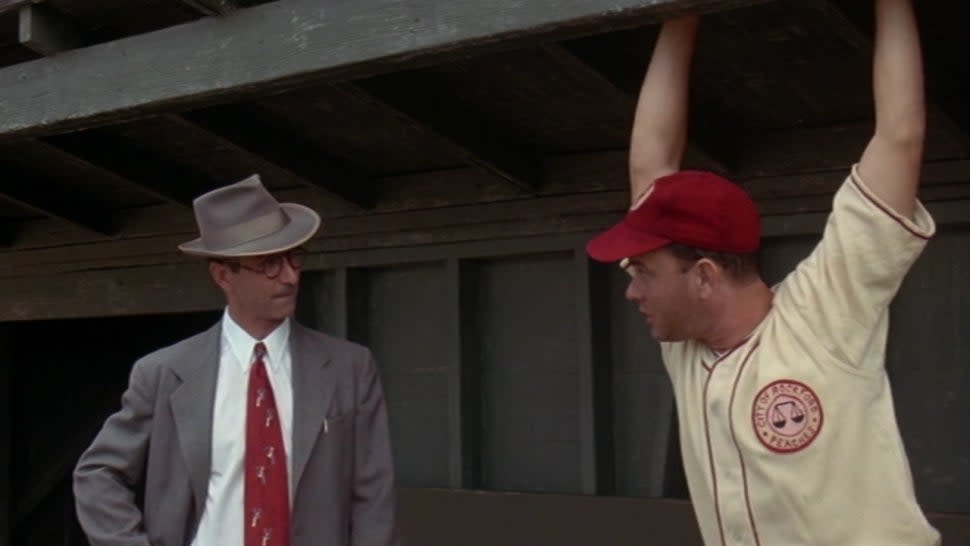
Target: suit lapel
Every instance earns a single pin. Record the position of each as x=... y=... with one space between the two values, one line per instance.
x=313 y=387
x=192 y=405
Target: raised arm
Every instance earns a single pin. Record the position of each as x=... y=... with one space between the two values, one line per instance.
x=660 y=123
x=890 y=165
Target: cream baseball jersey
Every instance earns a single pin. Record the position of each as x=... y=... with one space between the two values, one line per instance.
x=791 y=438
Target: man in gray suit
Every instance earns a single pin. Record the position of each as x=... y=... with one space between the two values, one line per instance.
x=257 y=432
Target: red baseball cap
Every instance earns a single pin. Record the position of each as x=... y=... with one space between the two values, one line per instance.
x=693 y=208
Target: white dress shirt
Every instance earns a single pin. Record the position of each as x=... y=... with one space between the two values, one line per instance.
x=222 y=519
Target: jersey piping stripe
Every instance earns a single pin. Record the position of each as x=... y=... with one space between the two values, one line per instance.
x=889 y=212
x=710 y=454
x=734 y=437
x=707 y=436
x=725 y=355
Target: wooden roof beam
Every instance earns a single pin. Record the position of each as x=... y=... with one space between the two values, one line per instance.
x=254 y=132
x=852 y=22
x=289 y=43
x=479 y=143
x=212 y=7
x=220 y=7
x=49 y=198
x=703 y=149
x=45 y=31
x=158 y=176
x=11 y=5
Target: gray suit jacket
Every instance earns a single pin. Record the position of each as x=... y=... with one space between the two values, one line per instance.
x=342 y=472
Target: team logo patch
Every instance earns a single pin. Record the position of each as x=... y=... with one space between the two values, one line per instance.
x=787 y=416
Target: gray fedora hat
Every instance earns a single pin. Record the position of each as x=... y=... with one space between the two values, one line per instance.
x=243 y=219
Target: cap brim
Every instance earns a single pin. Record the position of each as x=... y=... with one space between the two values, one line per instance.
x=304 y=223
x=622 y=241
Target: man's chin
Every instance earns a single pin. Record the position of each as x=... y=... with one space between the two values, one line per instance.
x=283 y=310
x=284 y=302
x=663 y=336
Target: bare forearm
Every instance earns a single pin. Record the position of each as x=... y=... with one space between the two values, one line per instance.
x=891 y=162
x=898 y=73
x=660 y=124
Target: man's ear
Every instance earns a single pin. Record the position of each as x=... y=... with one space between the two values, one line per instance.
x=219 y=272
x=707 y=275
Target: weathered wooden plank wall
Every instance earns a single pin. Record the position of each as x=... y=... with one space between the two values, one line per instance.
x=584 y=192
x=107 y=279
x=6 y=363
x=446 y=518
x=512 y=365
x=928 y=353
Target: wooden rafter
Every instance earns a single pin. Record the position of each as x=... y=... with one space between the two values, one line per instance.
x=46 y=32
x=256 y=133
x=220 y=7
x=850 y=22
x=212 y=7
x=160 y=177
x=290 y=43
x=480 y=144
x=10 y=5
x=701 y=148
x=48 y=198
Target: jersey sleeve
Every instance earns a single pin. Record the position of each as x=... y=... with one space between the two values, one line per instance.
x=842 y=290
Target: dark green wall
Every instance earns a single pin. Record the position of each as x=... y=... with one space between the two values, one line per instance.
x=508 y=366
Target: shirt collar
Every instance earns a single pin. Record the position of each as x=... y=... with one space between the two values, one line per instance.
x=241 y=344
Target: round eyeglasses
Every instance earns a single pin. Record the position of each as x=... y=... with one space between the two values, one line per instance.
x=272 y=266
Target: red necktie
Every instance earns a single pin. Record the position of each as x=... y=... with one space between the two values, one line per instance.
x=267 y=500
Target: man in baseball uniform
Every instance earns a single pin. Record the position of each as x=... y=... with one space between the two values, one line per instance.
x=786 y=417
